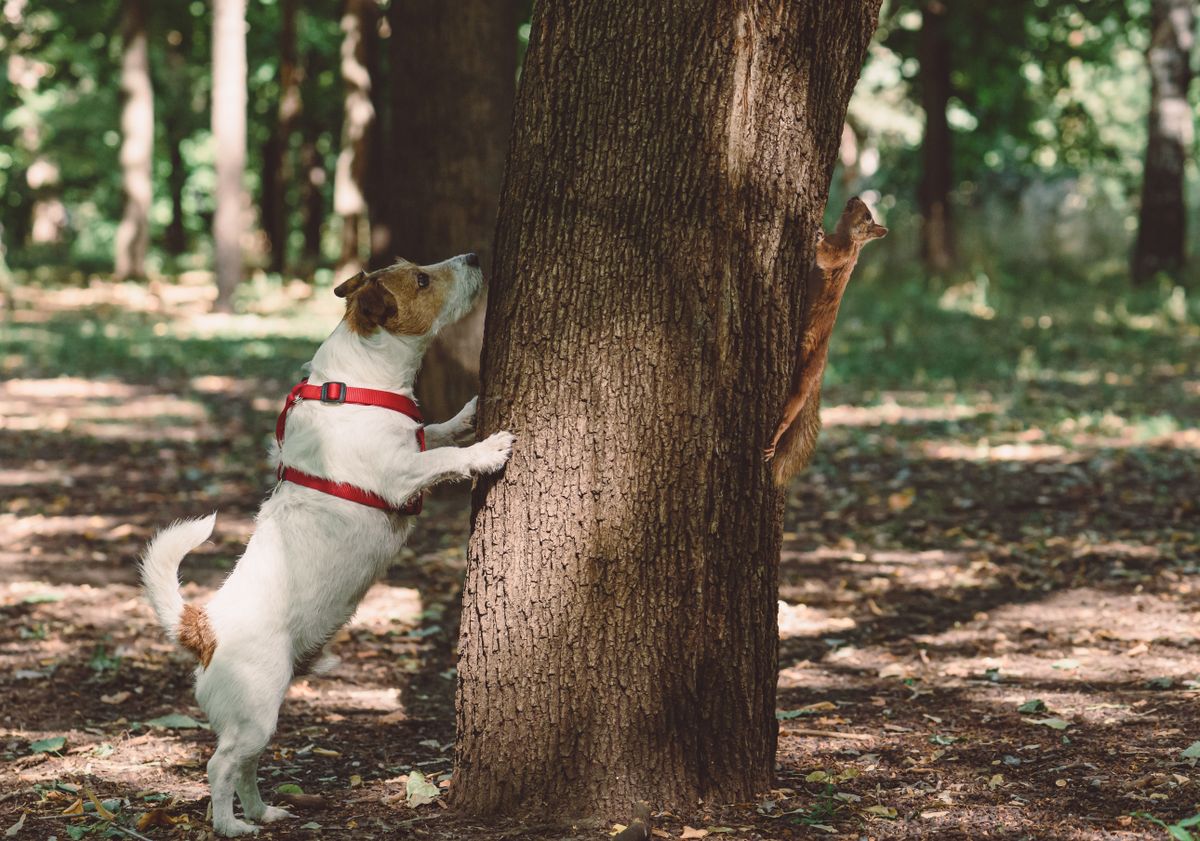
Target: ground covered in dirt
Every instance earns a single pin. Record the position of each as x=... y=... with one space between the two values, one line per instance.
x=988 y=612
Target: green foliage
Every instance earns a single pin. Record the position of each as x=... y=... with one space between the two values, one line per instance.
x=1040 y=89
x=63 y=107
x=1048 y=117
x=1180 y=831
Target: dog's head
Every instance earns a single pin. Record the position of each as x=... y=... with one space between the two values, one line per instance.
x=410 y=300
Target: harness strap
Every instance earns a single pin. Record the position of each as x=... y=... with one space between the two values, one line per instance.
x=335 y=394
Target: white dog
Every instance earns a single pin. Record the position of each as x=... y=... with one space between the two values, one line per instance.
x=351 y=463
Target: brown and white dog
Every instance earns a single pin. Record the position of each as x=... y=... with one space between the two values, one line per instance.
x=313 y=554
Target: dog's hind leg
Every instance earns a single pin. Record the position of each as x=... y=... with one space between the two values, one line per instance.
x=242 y=702
x=252 y=802
x=224 y=771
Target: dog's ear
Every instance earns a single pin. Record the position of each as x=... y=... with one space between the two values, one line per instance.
x=372 y=308
x=349 y=287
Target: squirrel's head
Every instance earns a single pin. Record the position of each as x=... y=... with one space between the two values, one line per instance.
x=858 y=223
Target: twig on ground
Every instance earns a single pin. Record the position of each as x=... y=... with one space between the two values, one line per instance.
x=830 y=734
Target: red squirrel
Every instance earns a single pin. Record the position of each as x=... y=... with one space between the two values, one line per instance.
x=796 y=436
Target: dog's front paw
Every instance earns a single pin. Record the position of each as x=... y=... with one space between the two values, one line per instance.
x=492 y=453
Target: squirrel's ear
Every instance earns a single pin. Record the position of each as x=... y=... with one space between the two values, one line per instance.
x=349 y=287
x=876 y=231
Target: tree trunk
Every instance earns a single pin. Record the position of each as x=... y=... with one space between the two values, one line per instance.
x=137 y=144
x=937 y=174
x=350 y=179
x=312 y=192
x=1162 y=226
x=379 y=192
x=277 y=170
x=229 y=138
x=175 y=116
x=657 y=222
x=454 y=69
x=6 y=284
x=176 y=234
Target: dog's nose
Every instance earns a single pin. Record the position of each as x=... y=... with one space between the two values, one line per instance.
x=472 y=259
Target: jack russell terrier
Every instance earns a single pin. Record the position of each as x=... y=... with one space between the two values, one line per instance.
x=352 y=468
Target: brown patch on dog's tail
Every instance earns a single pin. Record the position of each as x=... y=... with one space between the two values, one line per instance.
x=196 y=634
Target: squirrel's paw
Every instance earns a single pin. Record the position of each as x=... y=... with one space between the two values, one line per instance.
x=820 y=237
x=769 y=453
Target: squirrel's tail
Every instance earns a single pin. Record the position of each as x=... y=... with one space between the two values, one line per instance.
x=796 y=447
x=160 y=578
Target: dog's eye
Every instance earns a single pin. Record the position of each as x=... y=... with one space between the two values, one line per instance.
x=422 y=280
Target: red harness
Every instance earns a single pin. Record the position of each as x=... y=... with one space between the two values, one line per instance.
x=335 y=394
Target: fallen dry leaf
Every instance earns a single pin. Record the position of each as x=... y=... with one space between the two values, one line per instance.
x=690 y=832
x=902 y=500
x=100 y=810
x=158 y=817
x=15 y=828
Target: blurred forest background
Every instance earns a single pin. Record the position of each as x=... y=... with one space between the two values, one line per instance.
x=1018 y=132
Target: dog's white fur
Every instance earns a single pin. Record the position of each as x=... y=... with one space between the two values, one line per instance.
x=312 y=555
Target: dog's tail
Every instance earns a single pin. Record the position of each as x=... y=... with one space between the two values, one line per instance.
x=185 y=624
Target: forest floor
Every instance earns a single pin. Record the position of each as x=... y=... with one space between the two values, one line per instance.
x=988 y=612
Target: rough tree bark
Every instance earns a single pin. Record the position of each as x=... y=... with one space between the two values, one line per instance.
x=453 y=67
x=350 y=178
x=277 y=169
x=137 y=144
x=658 y=217
x=937 y=175
x=1162 y=226
x=229 y=138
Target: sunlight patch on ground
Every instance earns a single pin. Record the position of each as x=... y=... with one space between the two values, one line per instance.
x=211 y=384
x=892 y=411
x=984 y=451
x=797 y=620
x=385 y=607
x=87 y=527
x=101 y=409
x=334 y=694
x=41 y=476
x=879 y=573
